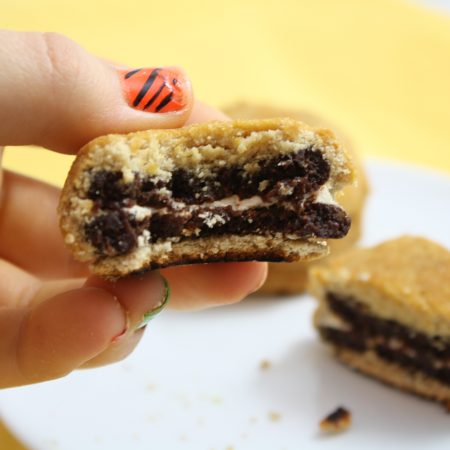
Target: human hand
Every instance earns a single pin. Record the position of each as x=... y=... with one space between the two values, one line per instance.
x=54 y=316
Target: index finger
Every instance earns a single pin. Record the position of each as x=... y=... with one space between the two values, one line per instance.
x=29 y=232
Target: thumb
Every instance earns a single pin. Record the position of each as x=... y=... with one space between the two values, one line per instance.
x=55 y=94
x=57 y=335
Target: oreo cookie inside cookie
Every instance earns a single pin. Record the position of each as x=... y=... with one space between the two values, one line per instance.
x=390 y=340
x=286 y=195
x=219 y=191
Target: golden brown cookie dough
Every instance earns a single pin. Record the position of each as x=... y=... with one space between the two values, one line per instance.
x=221 y=191
x=385 y=311
x=285 y=279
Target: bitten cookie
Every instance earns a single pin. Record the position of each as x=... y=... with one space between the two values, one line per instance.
x=385 y=311
x=292 y=278
x=221 y=191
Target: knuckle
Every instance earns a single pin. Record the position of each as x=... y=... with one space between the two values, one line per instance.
x=61 y=58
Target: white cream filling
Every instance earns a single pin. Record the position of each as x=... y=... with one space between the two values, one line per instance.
x=143 y=239
x=211 y=219
x=141 y=212
x=237 y=204
x=331 y=320
x=323 y=195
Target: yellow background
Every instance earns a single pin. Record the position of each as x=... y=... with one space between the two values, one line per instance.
x=378 y=69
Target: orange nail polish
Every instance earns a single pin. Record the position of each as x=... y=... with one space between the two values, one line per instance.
x=157 y=90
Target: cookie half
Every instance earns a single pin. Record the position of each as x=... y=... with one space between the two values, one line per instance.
x=286 y=279
x=386 y=312
x=221 y=191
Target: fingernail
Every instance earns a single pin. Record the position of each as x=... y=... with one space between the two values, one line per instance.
x=119 y=336
x=156 y=90
x=157 y=309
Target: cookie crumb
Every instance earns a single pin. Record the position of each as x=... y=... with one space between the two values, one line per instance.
x=339 y=420
x=69 y=239
x=274 y=416
x=265 y=364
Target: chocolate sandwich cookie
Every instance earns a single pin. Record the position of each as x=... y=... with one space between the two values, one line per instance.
x=221 y=191
x=385 y=311
x=292 y=278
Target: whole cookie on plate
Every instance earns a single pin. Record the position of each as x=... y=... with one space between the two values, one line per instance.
x=385 y=311
x=292 y=278
x=220 y=191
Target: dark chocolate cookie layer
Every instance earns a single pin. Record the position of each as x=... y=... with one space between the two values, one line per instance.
x=182 y=207
x=306 y=167
x=413 y=350
x=116 y=232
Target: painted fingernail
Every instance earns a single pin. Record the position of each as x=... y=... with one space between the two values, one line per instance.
x=122 y=334
x=156 y=90
x=148 y=316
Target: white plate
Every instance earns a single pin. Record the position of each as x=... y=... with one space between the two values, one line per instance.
x=195 y=381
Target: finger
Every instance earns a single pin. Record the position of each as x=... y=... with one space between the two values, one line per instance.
x=58 y=335
x=22 y=228
x=83 y=327
x=117 y=351
x=201 y=112
x=139 y=296
x=29 y=232
x=142 y=298
x=206 y=285
x=17 y=286
x=192 y=287
x=48 y=289
x=47 y=350
x=55 y=94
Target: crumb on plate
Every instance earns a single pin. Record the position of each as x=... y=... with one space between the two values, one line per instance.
x=265 y=364
x=274 y=416
x=339 y=420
